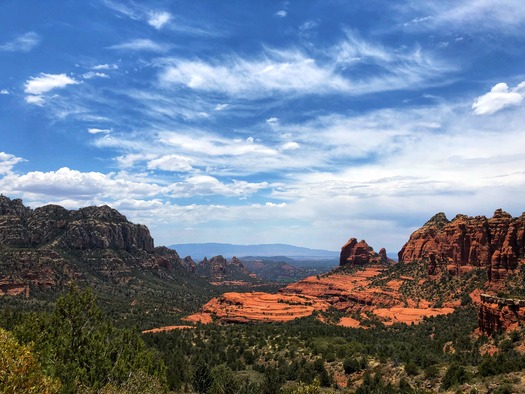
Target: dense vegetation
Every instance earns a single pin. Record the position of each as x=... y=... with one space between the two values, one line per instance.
x=70 y=345
x=439 y=352
x=77 y=348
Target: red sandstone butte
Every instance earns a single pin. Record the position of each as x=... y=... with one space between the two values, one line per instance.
x=496 y=244
x=355 y=253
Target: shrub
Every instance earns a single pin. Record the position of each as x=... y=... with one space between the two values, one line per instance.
x=20 y=371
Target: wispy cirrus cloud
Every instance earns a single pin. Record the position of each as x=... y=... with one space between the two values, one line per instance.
x=94 y=130
x=282 y=72
x=499 y=97
x=23 y=43
x=470 y=15
x=339 y=69
x=141 y=44
x=37 y=87
x=7 y=162
x=105 y=66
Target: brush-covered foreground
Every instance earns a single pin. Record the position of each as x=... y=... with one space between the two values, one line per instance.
x=77 y=348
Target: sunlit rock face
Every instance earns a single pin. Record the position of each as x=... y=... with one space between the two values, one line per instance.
x=355 y=253
x=496 y=244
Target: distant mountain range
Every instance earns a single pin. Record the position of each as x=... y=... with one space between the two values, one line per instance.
x=200 y=250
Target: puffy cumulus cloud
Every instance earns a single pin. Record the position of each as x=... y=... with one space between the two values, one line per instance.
x=499 y=97
x=23 y=43
x=158 y=19
x=277 y=71
x=7 y=162
x=67 y=183
x=205 y=185
x=281 y=13
x=36 y=87
x=173 y=163
x=4 y=92
x=291 y=145
x=141 y=44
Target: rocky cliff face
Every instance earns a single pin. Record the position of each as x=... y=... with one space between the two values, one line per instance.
x=355 y=253
x=498 y=314
x=496 y=244
x=219 y=269
x=50 y=246
x=86 y=228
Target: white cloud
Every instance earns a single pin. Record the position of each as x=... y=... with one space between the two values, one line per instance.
x=472 y=15
x=292 y=71
x=141 y=45
x=212 y=145
x=37 y=100
x=290 y=146
x=105 y=67
x=72 y=184
x=200 y=185
x=46 y=82
x=158 y=19
x=7 y=162
x=36 y=87
x=92 y=74
x=99 y=131
x=277 y=72
x=4 y=92
x=281 y=13
x=24 y=43
x=174 y=163
x=499 y=97
x=221 y=107
x=272 y=121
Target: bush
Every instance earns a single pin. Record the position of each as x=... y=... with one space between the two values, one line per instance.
x=456 y=374
x=20 y=372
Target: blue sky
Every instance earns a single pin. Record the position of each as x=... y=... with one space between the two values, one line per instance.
x=300 y=122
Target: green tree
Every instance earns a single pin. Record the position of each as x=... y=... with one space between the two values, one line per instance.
x=272 y=381
x=79 y=345
x=202 y=378
x=20 y=372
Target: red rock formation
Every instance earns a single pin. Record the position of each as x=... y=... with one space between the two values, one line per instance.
x=500 y=314
x=496 y=244
x=355 y=253
x=352 y=293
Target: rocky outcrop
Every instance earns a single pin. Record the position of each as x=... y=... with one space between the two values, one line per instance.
x=86 y=228
x=352 y=294
x=498 y=314
x=218 y=269
x=496 y=244
x=51 y=246
x=355 y=253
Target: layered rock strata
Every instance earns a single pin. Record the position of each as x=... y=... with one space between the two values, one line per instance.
x=51 y=246
x=496 y=245
x=498 y=314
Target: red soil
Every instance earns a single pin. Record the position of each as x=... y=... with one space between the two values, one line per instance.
x=167 y=328
x=350 y=293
